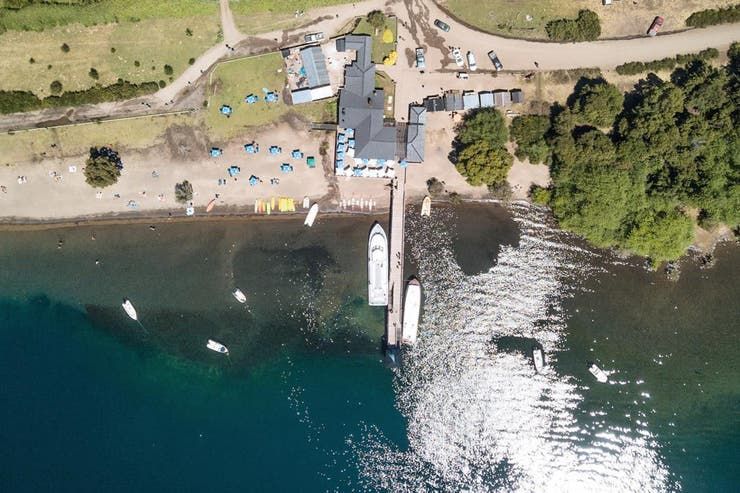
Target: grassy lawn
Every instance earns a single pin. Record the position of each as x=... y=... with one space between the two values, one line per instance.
x=383 y=81
x=233 y=80
x=380 y=49
x=40 y=16
x=257 y=16
x=73 y=140
x=152 y=43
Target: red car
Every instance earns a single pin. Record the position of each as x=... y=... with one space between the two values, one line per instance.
x=655 y=26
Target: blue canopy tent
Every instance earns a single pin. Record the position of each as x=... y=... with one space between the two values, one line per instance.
x=234 y=170
x=225 y=110
x=216 y=152
x=340 y=138
x=286 y=168
x=253 y=180
x=251 y=99
x=275 y=150
x=252 y=148
x=351 y=143
x=350 y=132
x=296 y=154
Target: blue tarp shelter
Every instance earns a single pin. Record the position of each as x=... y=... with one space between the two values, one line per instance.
x=216 y=152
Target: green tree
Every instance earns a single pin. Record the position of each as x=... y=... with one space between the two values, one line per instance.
x=93 y=74
x=585 y=27
x=483 y=125
x=598 y=103
x=55 y=87
x=184 y=192
x=435 y=187
x=482 y=164
x=168 y=70
x=661 y=235
x=376 y=18
x=529 y=133
x=101 y=171
x=65 y=47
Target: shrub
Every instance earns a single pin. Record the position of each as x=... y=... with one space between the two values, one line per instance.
x=93 y=74
x=540 y=195
x=529 y=132
x=188 y=32
x=191 y=61
x=56 y=87
x=435 y=187
x=183 y=192
x=65 y=48
x=585 y=27
x=137 y=63
x=482 y=164
x=632 y=68
x=112 y=49
x=711 y=17
x=31 y=61
x=376 y=18
x=162 y=84
x=168 y=70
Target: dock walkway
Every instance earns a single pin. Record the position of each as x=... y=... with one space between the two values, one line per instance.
x=394 y=320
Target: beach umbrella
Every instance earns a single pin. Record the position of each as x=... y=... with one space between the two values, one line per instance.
x=225 y=110
x=296 y=154
x=251 y=99
x=215 y=152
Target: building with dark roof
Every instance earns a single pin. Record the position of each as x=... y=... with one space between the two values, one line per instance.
x=315 y=66
x=307 y=74
x=517 y=96
x=361 y=104
x=501 y=98
x=415 y=134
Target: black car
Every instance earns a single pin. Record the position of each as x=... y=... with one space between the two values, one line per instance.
x=443 y=26
x=496 y=62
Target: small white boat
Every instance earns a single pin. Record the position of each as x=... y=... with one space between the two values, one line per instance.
x=377 y=267
x=239 y=295
x=311 y=217
x=426 y=206
x=411 y=309
x=129 y=308
x=217 y=346
x=597 y=372
x=538 y=356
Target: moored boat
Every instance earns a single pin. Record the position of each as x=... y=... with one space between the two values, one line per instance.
x=311 y=217
x=129 y=309
x=426 y=206
x=411 y=309
x=377 y=267
x=597 y=372
x=538 y=356
x=239 y=295
x=306 y=202
x=211 y=205
x=217 y=346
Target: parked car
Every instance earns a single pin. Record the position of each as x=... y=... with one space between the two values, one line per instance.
x=420 y=59
x=442 y=25
x=471 y=62
x=313 y=38
x=496 y=62
x=655 y=26
x=463 y=75
x=458 y=57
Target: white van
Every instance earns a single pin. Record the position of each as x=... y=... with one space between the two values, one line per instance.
x=471 y=62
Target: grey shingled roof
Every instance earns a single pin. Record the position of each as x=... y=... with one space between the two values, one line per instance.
x=361 y=105
x=313 y=61
x=415 y=134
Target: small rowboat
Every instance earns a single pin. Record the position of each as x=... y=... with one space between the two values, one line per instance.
x=240 y=297
x=217 y=346
x=311 y=217
x=426 y=206
x=538 y=356
x=129 y=308
x=211 y=205
x=598 y=373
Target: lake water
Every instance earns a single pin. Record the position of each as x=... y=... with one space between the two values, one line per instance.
x=92 y=401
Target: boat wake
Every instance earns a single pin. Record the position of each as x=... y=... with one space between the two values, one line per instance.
x=480 y=418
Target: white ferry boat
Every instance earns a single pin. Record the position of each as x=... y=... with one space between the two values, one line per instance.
x=538 y=356
x=597 y=372
x=239 y=295
x=426 y=206
x=311 y=217
x=411 y=309
x=377 y=267
x=129 y=309
x=217 y=346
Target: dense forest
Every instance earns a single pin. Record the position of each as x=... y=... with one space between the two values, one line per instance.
x=636 y=171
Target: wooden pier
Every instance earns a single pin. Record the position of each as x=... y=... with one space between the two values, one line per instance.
x=394 y=319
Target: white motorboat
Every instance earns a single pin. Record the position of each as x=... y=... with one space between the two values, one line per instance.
x=239 y=295
x=426 y=206
x=597 y=372
x=377 y=267
x=217 y=346
x=538 y=356
x=129 y=308
x=311 y=217
x=411 y=309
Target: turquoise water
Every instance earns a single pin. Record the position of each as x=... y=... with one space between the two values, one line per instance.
x=92 y=402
